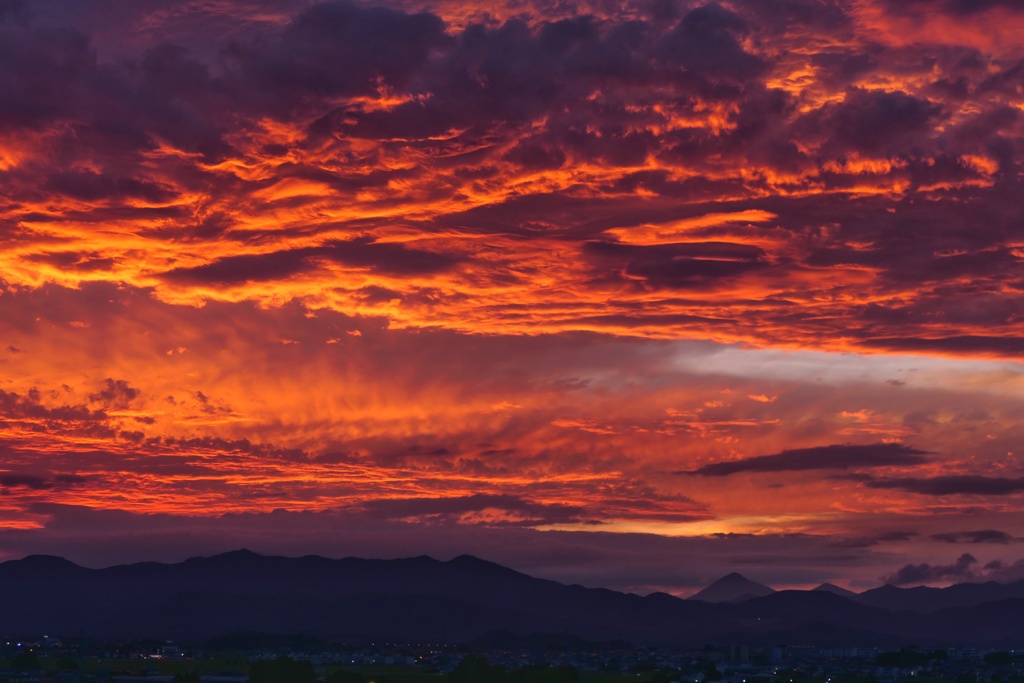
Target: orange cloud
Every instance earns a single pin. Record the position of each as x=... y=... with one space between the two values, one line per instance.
x=491 y=267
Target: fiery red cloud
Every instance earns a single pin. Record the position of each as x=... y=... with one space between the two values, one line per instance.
x=736 y=280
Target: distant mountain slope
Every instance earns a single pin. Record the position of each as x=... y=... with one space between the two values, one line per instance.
x=422 y=599
x=927 y=599
x=836 y=590
x=732 y=588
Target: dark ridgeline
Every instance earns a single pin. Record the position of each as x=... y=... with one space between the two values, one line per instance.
x=422 y=599
x=836 y=590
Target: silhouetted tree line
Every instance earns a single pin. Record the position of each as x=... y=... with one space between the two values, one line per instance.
x=349 y=676
x=346 y=676
x=282 y=670
x=473 y=669
x=909 y=657
x=26 y=660
x=999 y=658
x=288 y=670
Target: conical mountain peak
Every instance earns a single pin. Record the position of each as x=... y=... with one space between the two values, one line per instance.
x=732 y=587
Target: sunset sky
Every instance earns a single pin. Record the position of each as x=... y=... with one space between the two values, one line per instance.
x=629 y=293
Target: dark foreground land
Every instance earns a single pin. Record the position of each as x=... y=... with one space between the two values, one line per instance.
x=54 y=662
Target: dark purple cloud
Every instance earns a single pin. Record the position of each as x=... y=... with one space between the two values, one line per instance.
x=961 y=570
x=1010 y=346
x=675 y=266
x=70 y=260
x=956 y=7
x=28 y=481
x=91 y=186
x=872 y=122
x=998 y=570
x=875 y=539
x=836 y=457
x=953 y=485
x=41 y=72
x=116 y=395
x=244 y=268
x=338 y=48
x=29 y=405
x=981 y=536
x=36 y=482
x=388 y=259
x=707 y=41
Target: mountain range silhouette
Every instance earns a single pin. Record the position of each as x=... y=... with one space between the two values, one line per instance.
x=421 y=599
